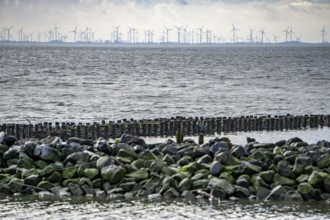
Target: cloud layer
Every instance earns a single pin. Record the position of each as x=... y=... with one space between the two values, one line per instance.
x=306 y=17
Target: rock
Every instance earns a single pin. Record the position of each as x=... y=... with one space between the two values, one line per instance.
x=132 y=140
x=69 y=172
x=262 y=192
x=51 y=140
x=45 y=185
x=45 y=194
x=171 y=193
x=204 y=159
x=185 y=185
x=200 y=184
x=88 y=190
x=26 y=163
x=49 y=169
x=75 y=189
x=155 y=197
x=249 y=169
x=306 y=191
x=103 y=146
x=239 y=151
x=257 y=181
x=216 y=168
x=267 y=176
x=225 y=158
x=55 y=177
x=91 y=173
x=191 y=167
x=138 y=175
x=169 y=149
x=293 y=195
x=12 y=153
x=103 y=162
x=113 y=174
x=323 y=161
x=29 y=148
x=241 y=192
x=187 y=195
x=7 y=139
x=40 y=164
x=77 y=157
x=32 y=180
x=326 y=184
x=316 y=179
x=281 y=180
x=277 y=194
x=284 y=169
x=302 y=178
x=243 y=182
x=264 y=145
x=47 y=153
x=218 y=193
x=157 y=165
x=16 y=185
x=219 y=147
x=4 y=189
x=301 y=163
x=293 y=140
x=227 y=176
x=222 y=184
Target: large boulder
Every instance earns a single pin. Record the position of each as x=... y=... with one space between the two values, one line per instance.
x=306 y=191
x=249 y=168
x=323 y=161
x=113 y=174
x=80 y=141
x=216 y=168
x=47 y=153
x=284 y=169
x=226 y=186
x=77 y=157
x=301 y=163
x=278 y=193
x=103 y=146
x=316 y=179
x=12 y=153
x=7 y=139
x=104 y=161
x=132 y=140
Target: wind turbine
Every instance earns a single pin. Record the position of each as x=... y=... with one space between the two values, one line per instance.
x=8 y=33
x=167 y=31
x=234 y=33
x=116 y=34
x=291 y=32
x=262 y=31
x=179 y=30
x=20 y=34
x=200 y=34
x=286 y=34
x=251 y=35
x=129 y=34
x=323 y=32
x=74 y=34
x=275 y=39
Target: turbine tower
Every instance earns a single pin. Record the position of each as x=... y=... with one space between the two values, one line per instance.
x=275 y=39
x=262 y=31
x=286 y=34
x=200 y=34
x=251 y=35
x=74 y=34
x=167 y=31
x=8 y=33
x=234 y=33
x=179 y=32
x=291 y=32
x=323 y=32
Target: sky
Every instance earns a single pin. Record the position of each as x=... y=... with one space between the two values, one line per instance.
x=306 y=17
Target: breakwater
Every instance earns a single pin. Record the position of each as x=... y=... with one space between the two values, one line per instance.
x=166 y=127
x=290 y=170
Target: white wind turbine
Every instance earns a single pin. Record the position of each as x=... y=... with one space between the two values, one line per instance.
x=262 y=31
x=200 y=34
x=179 y=33
x=74 y=34
x=323 y=32
x=167 y=30
x=286 y=34
x=8 y=33
x=234 y=33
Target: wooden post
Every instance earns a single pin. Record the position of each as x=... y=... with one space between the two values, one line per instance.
x=225 y=125
x=218 y=122
x=321 y=121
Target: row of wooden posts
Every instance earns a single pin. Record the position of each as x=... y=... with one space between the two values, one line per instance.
x=166 y=127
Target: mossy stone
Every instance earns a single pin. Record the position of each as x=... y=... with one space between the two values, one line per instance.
x=138 y=175
x=91 y=173
x=46 y=185
x=69 y=172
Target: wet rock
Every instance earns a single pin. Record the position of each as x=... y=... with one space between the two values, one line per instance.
x=80 y=141
x=226 y=186
x=7 y=139
x=47 y=153
x=170 y=149
x=241 y=192
x=264 y=145
x=243 y=182
x=219 y=147
x=91 y=173
x=204 y=159
x=55 y=177
x=281 y=180
x=301 y=163
x=306 y=191
x=29 y=148
x=185 y=185
x=155 y=197
x=113 y=174
x=45 y=185
x=326 y=184
x=69 y=172
x=191 y=167
x=12 y=153
x=323 y=161
x=225 y=158
x=132 y=140
x=249 y=169
x=138 y=175
x=187 y=195
x=293 y=195
x=77 y=157
x=284 y=169
x=104 y=161
x=32 y=180
x=239 y=151
x=316 y=179
x=157 y=165
x=103 y=146
x=277 y=194
x=293 y=140
x=26 y=163
x=267 y=176
x=75 y=189
x=216 y=168
x=88 y=190
x=262 y=192
x=171 y=193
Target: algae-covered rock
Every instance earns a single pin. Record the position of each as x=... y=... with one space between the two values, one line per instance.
x=69 y=172
x=257 y=181
x=77 y=157
x=306 y=191
x=323 y=161
x=91 y=173
x=138 y=164
x=281 y=180
x=47 y=153
x=249 y=168
x=277 y=194
x=55 y=177
x=301 y=163
x=227 y=176
x=262 y=192
x=46 y=185
x=241 y=192
x=171 y=193
x=267 y=176
x=326 y=183
x=26 y=163
x=138 y=175
x=132 y=140
x=201 y=184
x=32 y=180
x=113 y=174
x=226 y=186
x=239 y=151
x=185 y=185
x=191 y=167
x=284 y=169
x=316 y=179
x=293 y=195
x=218 y=193
x=302 y=178
x=16 y=185
x=157 y=165
x=75 y=189
x=49 y=169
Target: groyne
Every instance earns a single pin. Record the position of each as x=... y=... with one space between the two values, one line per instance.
x=166 y=127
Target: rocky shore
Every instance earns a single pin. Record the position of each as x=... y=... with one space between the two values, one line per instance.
x=290 y=170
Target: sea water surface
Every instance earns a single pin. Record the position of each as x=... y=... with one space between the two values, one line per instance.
x=47 y=83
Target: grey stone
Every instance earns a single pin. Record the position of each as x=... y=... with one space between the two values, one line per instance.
x=277 y=194
x=216 y=168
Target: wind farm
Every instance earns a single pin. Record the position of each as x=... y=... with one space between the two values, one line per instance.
x=170 y=34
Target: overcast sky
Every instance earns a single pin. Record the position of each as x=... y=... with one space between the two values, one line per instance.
x=306 y=17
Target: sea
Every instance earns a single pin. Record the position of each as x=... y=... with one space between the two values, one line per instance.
x=90 y=83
